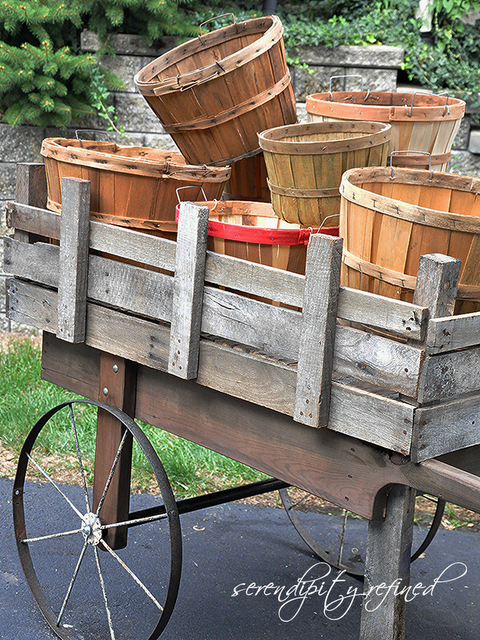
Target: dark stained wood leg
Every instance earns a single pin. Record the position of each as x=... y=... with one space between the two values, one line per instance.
x=117 y=386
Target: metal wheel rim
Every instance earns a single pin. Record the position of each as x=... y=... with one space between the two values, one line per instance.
x=168 y=499
x=321 y=552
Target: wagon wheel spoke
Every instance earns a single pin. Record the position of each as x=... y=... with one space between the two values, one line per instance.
x=70 y=586
x=104 y=593
x=80 y=461
x=112 y=471
x=47 y=476
x=132 y=575
x=115 y=596
x=328 y=540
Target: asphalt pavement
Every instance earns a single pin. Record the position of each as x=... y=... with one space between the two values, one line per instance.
x=243 y=566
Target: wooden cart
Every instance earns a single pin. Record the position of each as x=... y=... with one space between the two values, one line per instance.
x=357 y=398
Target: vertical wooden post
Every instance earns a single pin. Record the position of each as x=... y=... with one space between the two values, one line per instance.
x=188 y=287
x=317 y=337
x=31 y=189
x=118 y=388
x=72 y=287
x=390 y=540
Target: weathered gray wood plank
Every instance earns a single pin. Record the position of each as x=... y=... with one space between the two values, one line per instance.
x=446 y=427
x=31 y=186
x=449 y=375
x=244 y=375
x=395 y=316
x=317 y=334
x=375 y=359
x=73 y=261
x=188 y=284
x=37 y=262
x=448 y=334
x=32 y=305
x=390 y=428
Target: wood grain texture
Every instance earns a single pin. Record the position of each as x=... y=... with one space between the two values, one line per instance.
x=188 y=284
x=449 y=334
x=398 y=317
x=73 y=261
x=317 y=333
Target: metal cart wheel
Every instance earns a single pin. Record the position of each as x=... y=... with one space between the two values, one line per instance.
x=85 y=589
x=336 y=535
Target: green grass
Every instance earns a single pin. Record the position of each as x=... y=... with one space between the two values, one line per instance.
x=24 y=398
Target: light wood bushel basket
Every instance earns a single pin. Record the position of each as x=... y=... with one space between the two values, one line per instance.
x=214 y=94
x=305 y=163
x=391 y=217
x=420 y=122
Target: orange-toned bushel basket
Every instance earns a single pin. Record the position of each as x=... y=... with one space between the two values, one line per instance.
x=420 y=122
x=130 y=186
x=214 y=94
x=387 y=222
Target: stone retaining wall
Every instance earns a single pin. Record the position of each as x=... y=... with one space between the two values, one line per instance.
x=377 y=65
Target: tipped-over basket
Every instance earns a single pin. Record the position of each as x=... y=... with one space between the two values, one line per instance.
x=388 y=222
x=420 y=122
x=214 y=94
x=130 y=186
x=251 y=231
x=305 y=163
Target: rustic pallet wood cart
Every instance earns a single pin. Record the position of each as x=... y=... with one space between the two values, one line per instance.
x=354 y=397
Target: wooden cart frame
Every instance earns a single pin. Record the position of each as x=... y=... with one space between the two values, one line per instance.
x=357 y=398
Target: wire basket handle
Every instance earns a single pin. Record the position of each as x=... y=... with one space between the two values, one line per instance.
x=414 y=153
x=222 y=15
x=190 y=186
x=353 y=75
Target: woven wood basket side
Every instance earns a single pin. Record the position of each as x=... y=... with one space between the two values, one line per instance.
x=215 y=93
x=248 y=180
x=387 y=224
x=422 y=123
x=130 y=186
x=305 y=164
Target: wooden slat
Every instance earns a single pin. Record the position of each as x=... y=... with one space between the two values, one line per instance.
x=73 y=262
x=446 y=427
x=448 y=334
x=231 y=371
x=374 y=359
x=378 y=360
x=449 y=375
x=387 y=562
x=355 y=412
x=317 y=334
x=394 y=316
x=188 y=286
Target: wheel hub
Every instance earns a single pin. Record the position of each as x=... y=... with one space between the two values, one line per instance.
x=91 y=529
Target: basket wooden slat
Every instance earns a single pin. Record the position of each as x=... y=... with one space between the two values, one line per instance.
x=305 y=163
x=388 y=222
x=130 y=186
x=423 y=123
x=215 y=93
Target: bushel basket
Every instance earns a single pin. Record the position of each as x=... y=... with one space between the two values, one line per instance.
x=130 y=186
x=251 y=231
x=305 y=163
x=387 y=222
x=420 y=122
x=214 y=94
